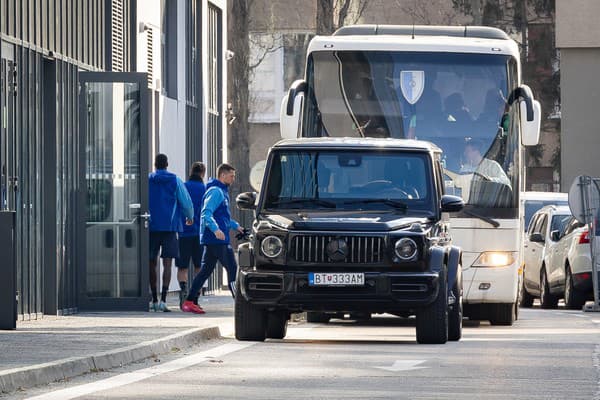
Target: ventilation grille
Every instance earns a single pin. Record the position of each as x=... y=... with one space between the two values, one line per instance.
x=150 y=57
x=359 y=249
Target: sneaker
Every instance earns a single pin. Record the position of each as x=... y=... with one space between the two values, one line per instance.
x=182 y=296
x=154 y=306
x=162 y=306
x=189 y=306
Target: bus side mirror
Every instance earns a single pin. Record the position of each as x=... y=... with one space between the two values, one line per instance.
x=289 y=117
x=530 y=129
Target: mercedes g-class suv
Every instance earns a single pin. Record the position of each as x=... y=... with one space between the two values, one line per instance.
x=350 y=226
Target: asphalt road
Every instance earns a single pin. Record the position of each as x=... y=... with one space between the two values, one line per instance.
x=547 y=354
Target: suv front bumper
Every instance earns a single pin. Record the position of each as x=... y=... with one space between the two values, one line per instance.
x=382 y=292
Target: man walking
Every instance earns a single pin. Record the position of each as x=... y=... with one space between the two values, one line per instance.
x=215 y=224
x=189 y=240
x=169 y=200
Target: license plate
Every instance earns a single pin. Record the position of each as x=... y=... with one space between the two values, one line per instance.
x=336 y=279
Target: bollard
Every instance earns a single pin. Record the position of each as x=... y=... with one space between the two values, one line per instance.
x=8 y=283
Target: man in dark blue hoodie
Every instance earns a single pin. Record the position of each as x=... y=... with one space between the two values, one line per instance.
x=215 y=224
x=189 y=240
x=169 y=200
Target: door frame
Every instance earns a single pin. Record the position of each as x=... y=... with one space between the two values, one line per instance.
x=111 y=303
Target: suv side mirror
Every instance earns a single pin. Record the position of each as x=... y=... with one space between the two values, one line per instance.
x=555 y=235
x=536 y=238
x=246 y=201
x=452 y=203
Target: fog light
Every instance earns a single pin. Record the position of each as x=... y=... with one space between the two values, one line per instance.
x=485 y=286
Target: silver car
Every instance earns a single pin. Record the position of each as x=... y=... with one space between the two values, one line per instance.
x=539 y=242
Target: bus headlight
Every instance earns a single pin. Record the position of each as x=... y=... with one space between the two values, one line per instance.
x=271 y=246
x=494 y=259
x=405 y=249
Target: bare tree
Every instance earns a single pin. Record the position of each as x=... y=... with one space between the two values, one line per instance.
x=433 y=12
x=333 y=14
x=238 y=146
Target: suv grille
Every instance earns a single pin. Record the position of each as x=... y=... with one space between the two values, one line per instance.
x=354 y=249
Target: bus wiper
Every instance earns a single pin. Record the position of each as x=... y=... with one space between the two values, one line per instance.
x=320 y=202
x=394 y=203
x=489 y=220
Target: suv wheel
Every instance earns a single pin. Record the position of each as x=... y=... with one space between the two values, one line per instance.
x=547 y=299
x=432 y=321
x=277 y=322
x=574 y=299
x=250 y=320
x=455 y=316
x=502 y=314
x=526 y=297
x=318 y=317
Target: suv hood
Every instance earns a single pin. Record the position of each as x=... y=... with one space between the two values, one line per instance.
x=343 y=220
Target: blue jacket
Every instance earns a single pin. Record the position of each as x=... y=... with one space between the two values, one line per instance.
x=196 y=189
x=215 y=213
x=168 y=201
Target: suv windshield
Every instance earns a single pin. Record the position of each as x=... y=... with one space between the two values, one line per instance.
x=350 y=180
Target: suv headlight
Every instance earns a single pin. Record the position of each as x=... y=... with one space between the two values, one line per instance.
x=405 y=249
x=271 y=246
x=494 y=259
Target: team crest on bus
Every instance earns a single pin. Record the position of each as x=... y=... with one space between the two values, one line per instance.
x=412 y=84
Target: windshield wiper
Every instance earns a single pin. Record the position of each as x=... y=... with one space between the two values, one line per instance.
x=394 y=203
x=320 y=202
x=489 y=220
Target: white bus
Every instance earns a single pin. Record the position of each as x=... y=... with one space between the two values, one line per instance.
x=458 y=87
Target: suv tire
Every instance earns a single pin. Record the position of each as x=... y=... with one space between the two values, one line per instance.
x=502 y=314
x=526 y=297
x=432 y=321
x=277 y=322
x=455 y=316
x=547 y=299
x=250 y=320
x=317 y=317
x=574 y=299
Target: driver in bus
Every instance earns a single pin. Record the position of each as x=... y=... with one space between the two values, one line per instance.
x=486 y=168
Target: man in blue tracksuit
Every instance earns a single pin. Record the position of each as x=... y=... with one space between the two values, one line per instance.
x=189 y=240
x=169 y=200
x=215 y=224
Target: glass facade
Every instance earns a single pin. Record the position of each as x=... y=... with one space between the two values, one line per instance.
x=44 y=45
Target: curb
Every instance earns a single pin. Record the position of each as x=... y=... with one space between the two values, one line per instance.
x=13 y=379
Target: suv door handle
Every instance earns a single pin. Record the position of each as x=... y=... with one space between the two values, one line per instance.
x=145 y=215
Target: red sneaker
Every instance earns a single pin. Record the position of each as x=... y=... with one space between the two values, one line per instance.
x=189 y=306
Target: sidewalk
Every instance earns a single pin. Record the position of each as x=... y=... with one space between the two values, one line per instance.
x=55 y=348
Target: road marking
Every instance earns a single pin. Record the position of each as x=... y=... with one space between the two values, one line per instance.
x=136 y=376
x=404 y=365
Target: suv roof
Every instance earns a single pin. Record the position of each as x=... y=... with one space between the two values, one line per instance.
x=358 y=143
x=555 y=209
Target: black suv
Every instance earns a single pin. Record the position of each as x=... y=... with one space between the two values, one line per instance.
x=350 y=226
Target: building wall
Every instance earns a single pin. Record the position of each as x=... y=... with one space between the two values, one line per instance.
x=578 y=38
x=580 y=90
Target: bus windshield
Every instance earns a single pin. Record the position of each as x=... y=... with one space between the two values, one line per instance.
x=457 y=101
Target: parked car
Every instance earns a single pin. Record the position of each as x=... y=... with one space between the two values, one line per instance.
x=569 y=265
x=538 y=243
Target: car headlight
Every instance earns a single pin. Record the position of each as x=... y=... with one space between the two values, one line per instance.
x=405 y=249
x=494 y=259
x=271 y=246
